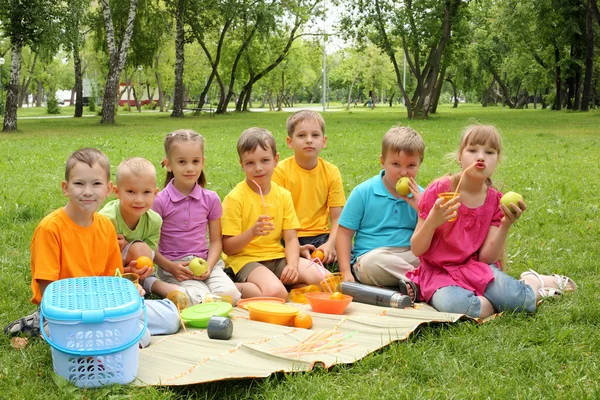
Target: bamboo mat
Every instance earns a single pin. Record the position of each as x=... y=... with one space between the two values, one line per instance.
x=257 y=349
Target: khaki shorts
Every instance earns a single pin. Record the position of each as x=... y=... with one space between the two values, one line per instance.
x=275 y=266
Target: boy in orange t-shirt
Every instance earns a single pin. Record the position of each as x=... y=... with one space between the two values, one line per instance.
x=75 y=241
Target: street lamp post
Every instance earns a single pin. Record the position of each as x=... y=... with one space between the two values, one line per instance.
x=1 y=88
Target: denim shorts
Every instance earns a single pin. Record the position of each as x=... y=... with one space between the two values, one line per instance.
x=505 y=293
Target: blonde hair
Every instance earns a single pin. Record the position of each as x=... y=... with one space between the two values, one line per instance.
x=182 y=135
x=251 y=138
x=135 y=166
x=405 y=139
x=485 y=135
x=304 y=115
x=89 y=156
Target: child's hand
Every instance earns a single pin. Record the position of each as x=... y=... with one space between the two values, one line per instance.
x=328 y=249
x=289 y=275
x=140 y=289
x=306 y=250
x=441 y=213
x=143 y=273
x=181 y=272
x=263 y=226
x=122 y=241
x=513 y=213
x=413 y=201
x=204 y=276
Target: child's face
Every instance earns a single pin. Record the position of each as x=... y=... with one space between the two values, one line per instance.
x=87 y=188
x=137 y=194
x=483 y=155
x=398 y=165
x=307 y=140
x=259 y=165
x=186 y=161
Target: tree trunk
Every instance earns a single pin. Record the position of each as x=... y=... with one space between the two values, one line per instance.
x=179 y=60
x=505 y=90
x=589 y=60
x=25 y=85
x=117 y=57
x=280 y=102
x=350 y=91
x=454 y=93
x=39 y=94
x=438 y=89
x=238 y=56
x=558 y=82
x=595 y=10
x=78 y=83
x=12 y=92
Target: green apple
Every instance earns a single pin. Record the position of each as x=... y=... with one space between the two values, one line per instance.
x=511 y=197
x=402 y=186
x=198 y=266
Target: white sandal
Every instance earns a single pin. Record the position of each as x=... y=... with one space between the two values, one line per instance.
x=563 y=283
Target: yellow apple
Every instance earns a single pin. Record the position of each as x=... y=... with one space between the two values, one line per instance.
x=511 y=197
x=402 y=186
x=198 y=266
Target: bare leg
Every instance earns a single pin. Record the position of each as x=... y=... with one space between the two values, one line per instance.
x=486 y=307
x=544 y=281
x=163 y=288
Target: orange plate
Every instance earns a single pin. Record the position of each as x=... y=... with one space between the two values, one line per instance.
x=243 y=303
x=320 y=302
x=272 y=313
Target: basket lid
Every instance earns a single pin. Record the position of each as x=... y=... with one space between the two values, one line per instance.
x=90 y=299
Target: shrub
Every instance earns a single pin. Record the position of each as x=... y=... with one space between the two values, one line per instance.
x=52 y=105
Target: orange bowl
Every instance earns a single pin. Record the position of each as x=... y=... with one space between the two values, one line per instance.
x=320 y=302
x=272 y=313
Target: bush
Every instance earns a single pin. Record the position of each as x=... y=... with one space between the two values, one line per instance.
x=52 y=105
x=92 y=104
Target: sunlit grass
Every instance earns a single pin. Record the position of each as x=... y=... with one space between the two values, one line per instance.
x=551 y=158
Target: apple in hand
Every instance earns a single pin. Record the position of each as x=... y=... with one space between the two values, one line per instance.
x=198 y=266
x=402 y=186
x=511 y=197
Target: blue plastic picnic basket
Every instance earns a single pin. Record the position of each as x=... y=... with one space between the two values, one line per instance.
x=94 y=329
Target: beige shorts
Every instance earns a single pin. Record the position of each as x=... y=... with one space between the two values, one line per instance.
x=275 y=266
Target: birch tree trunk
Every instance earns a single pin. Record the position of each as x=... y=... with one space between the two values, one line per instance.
x=179 y=60
x=117 y=56
x=12 y=93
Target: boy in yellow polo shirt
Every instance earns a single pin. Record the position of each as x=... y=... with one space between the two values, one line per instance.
x=257 y=214
x=315 y=184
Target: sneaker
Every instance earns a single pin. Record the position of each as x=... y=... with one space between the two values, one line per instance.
x=28 y=326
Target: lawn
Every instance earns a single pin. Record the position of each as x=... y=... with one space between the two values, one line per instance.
x=551 y=158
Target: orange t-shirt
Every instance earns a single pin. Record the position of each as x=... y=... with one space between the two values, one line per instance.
x=62 y=249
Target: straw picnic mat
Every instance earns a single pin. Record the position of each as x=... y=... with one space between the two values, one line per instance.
x=256 y=349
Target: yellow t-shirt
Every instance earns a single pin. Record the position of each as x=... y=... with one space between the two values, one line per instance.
x=241 y=209
x=62 y=249
x=313 y=191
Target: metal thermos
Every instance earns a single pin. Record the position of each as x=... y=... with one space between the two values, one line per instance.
x=375 y=295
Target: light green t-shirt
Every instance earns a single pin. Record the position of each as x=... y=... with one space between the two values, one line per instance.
x=147 y=229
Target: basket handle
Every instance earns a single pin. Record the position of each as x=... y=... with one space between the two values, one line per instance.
x=85 y=352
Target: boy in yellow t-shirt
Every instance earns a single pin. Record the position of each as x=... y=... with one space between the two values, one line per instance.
x=315 y=184
x=257 y=213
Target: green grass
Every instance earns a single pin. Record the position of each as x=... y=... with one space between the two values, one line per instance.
x=549 y=157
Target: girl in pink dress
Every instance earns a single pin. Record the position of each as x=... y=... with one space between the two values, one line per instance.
x=459 y=270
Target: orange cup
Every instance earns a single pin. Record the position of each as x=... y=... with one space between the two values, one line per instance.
x=135 y=278
x=447 y=196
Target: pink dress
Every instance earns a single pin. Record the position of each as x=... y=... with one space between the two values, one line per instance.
x=452 y=258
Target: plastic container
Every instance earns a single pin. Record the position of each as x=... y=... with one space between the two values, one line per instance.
x=93 y=329
x=447 y=196
x=298 y=295
x=331 y=282
x=321 y=303
x=272 y=313
x=243 y=303
x=199 y=315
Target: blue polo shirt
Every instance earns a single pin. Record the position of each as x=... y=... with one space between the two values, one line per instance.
x=377 y=217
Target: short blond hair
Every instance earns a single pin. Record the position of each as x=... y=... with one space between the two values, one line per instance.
x=405 y=139
x=89 y=156
x=304 y=115
x=251 y=138
x=136 y=167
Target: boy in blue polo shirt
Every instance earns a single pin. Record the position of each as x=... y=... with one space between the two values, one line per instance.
x=380 y=220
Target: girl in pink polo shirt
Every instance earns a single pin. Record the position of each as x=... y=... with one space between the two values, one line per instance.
x=460 y=242
x=188 y=210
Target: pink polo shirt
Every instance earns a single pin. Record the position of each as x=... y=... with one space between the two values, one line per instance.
x=185 y=220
